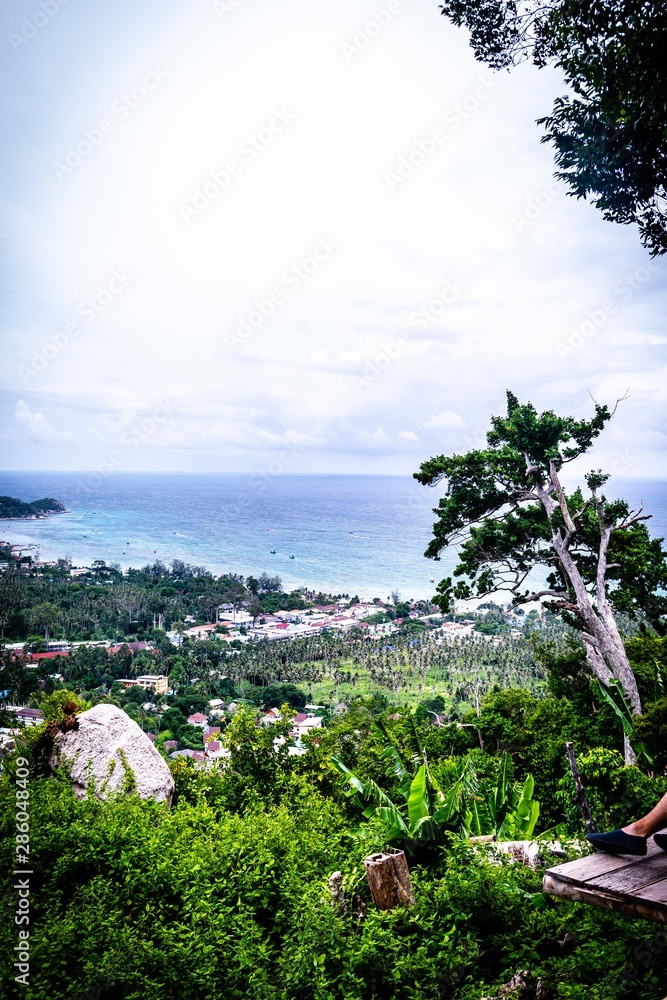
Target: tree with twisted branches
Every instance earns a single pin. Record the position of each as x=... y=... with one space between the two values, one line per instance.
x=518 y=530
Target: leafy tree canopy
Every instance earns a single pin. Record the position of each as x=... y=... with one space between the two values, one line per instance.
x=517 y=529
x=610 y=134
x=492 y=509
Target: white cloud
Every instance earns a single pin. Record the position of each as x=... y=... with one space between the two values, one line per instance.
x=34 y=427
x=445 y=419
x=411 y=300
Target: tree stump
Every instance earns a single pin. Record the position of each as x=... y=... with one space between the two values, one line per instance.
x=389 y=879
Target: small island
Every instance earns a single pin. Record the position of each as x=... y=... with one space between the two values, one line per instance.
x=10 y=507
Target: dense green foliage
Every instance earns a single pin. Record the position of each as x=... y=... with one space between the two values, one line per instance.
x=225 y=894
x=505 y=506
x=610 y=133
x=11 y=507
x=516 y=528
x=104 y=602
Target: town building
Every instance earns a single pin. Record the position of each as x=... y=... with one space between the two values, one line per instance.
x=149 y=682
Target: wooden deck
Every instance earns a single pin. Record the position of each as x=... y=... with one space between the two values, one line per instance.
x=634 y=886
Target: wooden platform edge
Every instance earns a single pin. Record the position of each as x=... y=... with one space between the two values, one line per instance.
x=577 y=894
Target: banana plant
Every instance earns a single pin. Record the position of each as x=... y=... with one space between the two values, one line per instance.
x=522 y=814
x=624 y=711
x=508 y=810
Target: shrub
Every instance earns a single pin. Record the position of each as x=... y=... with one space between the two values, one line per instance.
x=617 y=794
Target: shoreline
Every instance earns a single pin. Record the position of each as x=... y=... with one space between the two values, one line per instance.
x=46 y=555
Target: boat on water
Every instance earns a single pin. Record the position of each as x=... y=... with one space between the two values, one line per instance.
x=291 y=557
x=273 y=552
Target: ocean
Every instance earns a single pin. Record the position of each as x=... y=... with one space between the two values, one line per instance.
x=362 y=535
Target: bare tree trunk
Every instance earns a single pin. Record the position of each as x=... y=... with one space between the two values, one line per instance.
x=628 y=752
x=605 y=651
x=389 y=879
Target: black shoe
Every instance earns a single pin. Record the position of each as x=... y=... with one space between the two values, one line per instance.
x=661 y=840
x=618 y=842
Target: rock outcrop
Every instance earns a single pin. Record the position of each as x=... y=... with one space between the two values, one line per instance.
x=109 y=749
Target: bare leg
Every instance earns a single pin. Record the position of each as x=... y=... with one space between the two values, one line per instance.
x=651 y=823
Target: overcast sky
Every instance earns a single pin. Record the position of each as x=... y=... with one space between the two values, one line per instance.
x=314 y=237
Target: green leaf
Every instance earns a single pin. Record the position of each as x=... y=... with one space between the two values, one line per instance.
x=622 y=713
x=418 y=804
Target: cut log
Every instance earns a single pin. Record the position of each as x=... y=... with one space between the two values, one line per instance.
x=582 y=801
x=389 y=879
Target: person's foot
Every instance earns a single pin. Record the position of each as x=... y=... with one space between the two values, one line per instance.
x=661 y=840
x=618 y=842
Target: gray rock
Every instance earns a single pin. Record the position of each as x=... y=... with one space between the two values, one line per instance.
x=106 y=746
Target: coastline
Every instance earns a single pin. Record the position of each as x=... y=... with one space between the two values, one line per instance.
x=356 y=535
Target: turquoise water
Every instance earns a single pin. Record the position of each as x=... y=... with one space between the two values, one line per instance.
x=348 y=534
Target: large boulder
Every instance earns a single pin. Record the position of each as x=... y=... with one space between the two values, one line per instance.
x=109 y=749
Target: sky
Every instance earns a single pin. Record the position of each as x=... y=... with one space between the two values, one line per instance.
x=302 y=237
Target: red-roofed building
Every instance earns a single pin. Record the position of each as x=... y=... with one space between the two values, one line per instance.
x=35 y=657
x=198 y=720
x=134 y=646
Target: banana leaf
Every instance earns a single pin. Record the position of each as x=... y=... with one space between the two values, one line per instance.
x=373 y=800
x=426 y=830
x=498 y=799
x=417 y=755
x=623 y=712
x=418 y=799
x=520 y=822
x=391 y=753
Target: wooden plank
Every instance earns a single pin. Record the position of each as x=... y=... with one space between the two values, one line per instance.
x=623 y=883
x=646 y=909
x=594 y=865
x=657 y=892
x=632 y=879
